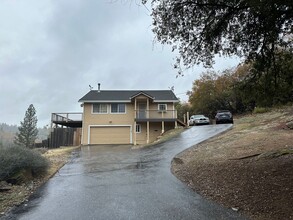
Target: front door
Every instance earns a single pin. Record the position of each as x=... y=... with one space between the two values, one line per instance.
x=141 y=110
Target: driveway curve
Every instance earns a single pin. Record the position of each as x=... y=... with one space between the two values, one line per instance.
x=115 y=182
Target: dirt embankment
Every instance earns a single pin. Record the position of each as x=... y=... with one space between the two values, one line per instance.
x=249 y=168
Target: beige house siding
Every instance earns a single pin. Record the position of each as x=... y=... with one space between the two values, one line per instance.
x=154 y=106
x=155 y=131
x=142 y=136
x=119 y=128
x=91 y=119
x=154 y=113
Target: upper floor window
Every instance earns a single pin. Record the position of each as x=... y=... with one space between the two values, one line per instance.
x=100 y=108
x=162 y=107
x=118 y=108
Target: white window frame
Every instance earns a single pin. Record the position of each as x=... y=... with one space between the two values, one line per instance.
x=93 y=112
x=162 y=110
x=138 y=128
x=118 y=108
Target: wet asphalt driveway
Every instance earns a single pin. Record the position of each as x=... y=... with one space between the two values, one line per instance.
x=115 y=182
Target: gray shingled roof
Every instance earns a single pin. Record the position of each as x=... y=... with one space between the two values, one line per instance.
x=125 y=95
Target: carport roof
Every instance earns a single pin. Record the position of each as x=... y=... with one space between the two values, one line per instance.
x=126 y=95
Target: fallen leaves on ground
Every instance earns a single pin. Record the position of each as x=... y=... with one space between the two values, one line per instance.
x=248 y=168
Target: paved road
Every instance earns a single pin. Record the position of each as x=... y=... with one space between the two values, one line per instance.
x=115 y=182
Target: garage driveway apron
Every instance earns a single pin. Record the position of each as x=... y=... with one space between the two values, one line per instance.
x=115 y=182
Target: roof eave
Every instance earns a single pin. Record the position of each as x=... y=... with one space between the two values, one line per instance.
x=166 y=101
x=105 y=101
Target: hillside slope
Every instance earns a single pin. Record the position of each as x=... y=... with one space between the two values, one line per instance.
x=249 y=168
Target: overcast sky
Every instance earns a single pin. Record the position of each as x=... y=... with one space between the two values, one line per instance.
x=51 y=51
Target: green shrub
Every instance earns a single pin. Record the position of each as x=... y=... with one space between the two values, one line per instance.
x=15 y=159
x=259 y=110
x=41 y=150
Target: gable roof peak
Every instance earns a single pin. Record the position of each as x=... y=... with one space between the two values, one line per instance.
x=141 y=93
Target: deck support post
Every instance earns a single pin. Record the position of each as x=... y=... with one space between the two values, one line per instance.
x=148 y=132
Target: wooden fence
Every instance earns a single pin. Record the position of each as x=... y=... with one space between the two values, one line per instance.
x=62 y=137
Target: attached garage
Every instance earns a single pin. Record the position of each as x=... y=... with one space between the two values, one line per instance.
x=110 y=134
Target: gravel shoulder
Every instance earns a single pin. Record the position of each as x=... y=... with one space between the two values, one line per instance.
x=248 y=168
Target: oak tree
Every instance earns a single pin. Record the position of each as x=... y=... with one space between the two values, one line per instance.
x=200 y=29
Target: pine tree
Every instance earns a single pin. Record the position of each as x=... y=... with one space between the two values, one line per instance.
x=28 y=131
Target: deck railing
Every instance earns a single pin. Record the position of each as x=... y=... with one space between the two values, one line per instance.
x=59 y=117
x=155 y=114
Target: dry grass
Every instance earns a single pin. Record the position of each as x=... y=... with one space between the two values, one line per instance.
x=248 y=167
x=20 y=193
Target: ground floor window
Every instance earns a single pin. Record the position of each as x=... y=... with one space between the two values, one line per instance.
x=138 y=128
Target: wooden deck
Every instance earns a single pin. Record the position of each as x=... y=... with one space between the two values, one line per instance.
x=71 y=120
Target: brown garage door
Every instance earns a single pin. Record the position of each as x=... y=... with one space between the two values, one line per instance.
x=110 y=135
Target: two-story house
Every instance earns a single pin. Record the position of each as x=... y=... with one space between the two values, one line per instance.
x=127 y=116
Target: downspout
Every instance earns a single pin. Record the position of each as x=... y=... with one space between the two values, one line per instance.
x=163 y=123
x=148 y=123
x=135 y=115
x=82 y=124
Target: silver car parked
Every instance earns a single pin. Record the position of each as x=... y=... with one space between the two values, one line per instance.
x=199 y=120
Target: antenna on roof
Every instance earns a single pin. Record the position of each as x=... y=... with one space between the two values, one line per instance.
x=171 y=88
x=90 y=87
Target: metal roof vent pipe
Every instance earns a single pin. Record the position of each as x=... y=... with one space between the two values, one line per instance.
x=99 y=87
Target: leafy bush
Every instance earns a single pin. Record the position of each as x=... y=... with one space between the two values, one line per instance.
x=258 y=110
x=15 y=159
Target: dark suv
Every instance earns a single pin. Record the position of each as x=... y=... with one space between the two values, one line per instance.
x=224 y=116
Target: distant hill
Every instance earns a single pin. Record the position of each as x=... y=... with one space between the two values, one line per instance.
x=7 y=133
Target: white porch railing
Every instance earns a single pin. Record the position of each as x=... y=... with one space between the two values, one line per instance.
x=155 y=114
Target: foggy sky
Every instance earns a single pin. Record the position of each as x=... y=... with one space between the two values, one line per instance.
x=51 y=51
